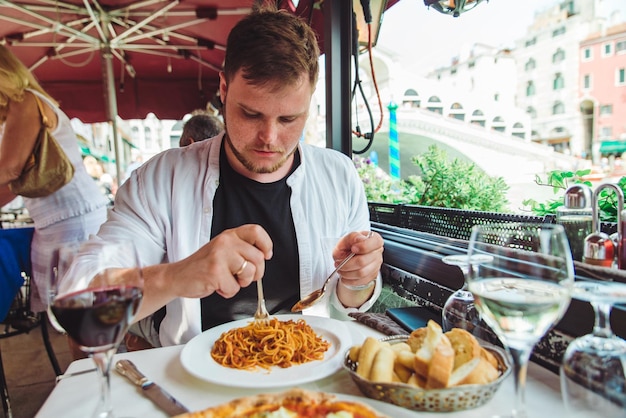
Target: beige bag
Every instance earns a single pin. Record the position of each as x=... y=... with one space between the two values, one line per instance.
x=47 y=168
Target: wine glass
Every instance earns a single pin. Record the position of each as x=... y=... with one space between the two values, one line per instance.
x=94 y=297
x=592 y=372
x=459 y=310
x=525 y=288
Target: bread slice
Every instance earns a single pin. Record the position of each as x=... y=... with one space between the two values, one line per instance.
x=441 y=365
x=486 y=354
x=465 y=346
x=416 y=381
x=416 y=339
x=476 y=371
x=366 y=356
x=382 y=367
x=406 y=359
x=432 y=338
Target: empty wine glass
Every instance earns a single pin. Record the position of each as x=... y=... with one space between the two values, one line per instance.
x=94 y=297
x=459 y=310
x=523 y=290
x=592 y=372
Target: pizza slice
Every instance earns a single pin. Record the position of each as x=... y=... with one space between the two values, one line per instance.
x=294 y=403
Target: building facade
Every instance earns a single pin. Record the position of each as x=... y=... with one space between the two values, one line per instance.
x=548 y=85
x=602 y=95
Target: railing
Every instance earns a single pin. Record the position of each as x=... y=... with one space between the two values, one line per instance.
x=450 y=222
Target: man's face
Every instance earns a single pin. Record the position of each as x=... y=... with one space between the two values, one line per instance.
x=263 y=125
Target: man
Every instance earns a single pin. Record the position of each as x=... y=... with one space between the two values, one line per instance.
x=200 y=126
x=252 y=203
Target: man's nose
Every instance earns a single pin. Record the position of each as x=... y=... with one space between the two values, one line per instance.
x=268 y=131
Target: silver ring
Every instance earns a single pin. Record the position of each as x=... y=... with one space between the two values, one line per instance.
x=242 y=268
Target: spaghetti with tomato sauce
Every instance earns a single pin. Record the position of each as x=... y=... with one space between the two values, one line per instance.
x=269 y=343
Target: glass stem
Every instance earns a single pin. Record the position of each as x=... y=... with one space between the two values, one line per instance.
x=103 y=364
x=602 y=325
x=520 y=369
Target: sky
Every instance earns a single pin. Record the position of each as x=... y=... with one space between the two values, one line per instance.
x=426 y=39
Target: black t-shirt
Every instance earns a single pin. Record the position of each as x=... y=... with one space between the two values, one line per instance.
x=238 y=201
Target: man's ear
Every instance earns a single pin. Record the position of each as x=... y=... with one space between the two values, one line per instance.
x=191 y=141
x=223 y=87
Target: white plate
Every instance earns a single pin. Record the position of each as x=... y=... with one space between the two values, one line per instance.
x=196 y=357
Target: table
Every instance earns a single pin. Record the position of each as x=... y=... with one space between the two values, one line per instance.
x=77 y=396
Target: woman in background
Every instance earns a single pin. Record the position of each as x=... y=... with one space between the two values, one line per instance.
x=71 y=213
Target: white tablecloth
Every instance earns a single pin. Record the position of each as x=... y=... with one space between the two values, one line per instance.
x=77 y=396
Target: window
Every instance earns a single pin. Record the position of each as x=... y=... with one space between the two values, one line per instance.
x=620 y=47
x=559 y=82
x=530 y=65
x=518 y=130
x=531 y=111
x=587 y=82
x=587 y=55
x=606 y=132
x=530 y=89
x=456 y=111
x=148 y=137
x=478 y=118
x=134 y=134
x=434 y=105
x=606 y=109
x=558 y=31
x=607 y=49
x=531 y=42
x=558 y=56
x=498 y=124
x=558 y=108
x=411 y=99
x=621 y=77
x=568 y=6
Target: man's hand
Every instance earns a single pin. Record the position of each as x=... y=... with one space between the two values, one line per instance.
x=231 y=260
x=357 y=276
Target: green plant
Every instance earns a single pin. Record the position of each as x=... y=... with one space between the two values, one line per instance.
x=443 y=183
x=561 y=180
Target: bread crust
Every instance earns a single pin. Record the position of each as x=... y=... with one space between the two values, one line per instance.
x=416 y=339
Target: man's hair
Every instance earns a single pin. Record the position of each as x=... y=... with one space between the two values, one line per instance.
x=271 y=46
x=200 y=127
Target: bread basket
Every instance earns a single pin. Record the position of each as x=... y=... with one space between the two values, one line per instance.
x=435 y=400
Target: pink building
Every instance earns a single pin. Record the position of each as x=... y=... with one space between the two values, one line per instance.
x=603 y=90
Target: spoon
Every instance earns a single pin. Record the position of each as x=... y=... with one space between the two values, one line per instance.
x=315 y=296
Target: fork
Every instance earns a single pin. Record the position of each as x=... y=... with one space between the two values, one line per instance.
x=261 y=315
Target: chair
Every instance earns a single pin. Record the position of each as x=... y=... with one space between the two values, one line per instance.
x=16 y=316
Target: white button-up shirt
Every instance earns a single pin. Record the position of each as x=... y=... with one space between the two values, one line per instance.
x=166 y=207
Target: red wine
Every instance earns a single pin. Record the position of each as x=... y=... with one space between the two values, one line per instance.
x=97 y=318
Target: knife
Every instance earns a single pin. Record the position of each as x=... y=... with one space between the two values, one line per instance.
x=151 y=390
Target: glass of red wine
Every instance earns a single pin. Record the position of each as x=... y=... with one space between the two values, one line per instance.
x=94 y=296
